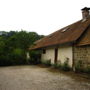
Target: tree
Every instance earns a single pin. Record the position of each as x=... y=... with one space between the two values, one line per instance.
x=14 y=45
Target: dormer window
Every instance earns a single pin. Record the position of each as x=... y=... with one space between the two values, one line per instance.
x=84 y=20
x=65 y=29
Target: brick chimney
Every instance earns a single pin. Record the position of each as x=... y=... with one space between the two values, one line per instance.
x=85 y=12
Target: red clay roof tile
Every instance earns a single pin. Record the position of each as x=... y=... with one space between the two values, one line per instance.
x=67 y=34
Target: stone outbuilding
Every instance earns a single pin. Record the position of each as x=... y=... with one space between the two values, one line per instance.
x=70 y=43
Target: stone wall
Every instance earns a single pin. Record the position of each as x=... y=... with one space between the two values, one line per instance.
x=82 y=53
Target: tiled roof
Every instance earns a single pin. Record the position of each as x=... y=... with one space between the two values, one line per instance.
x=65 y=35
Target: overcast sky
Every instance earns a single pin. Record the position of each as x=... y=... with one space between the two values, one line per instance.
x=41 y=16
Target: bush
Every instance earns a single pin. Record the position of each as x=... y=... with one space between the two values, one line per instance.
x=34 y=61
x=35 y=57
x=58 y=66
x=65 y=66
x=46 y=62
x=87 y=70
x=14 y=57
x=18 y=56
x=4 y=60
x=78 y=66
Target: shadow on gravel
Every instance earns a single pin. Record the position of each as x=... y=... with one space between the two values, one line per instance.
x=76 y=76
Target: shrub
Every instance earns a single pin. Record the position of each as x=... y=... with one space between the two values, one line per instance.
x=54 y=65
x=18 y=56
x=35 y=57
x=58 y=66
x=78 y=66
x=4 y=60
x=14 y=57
x=34 y=61
x=65 y=66
x=87 y=70
x=46 y=62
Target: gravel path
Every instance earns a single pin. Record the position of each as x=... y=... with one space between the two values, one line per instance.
x=38 y=78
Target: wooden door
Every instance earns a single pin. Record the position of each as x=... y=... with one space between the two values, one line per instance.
x=56 y=55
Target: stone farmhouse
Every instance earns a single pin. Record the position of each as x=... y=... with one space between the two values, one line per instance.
x=70 y=43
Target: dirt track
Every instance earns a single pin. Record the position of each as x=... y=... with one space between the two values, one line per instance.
x=38 y=78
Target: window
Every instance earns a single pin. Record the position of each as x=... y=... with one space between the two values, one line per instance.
x=84 y=20
x=65 y=29
x=44 y=51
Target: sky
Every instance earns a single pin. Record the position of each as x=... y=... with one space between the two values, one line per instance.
x=41 y=16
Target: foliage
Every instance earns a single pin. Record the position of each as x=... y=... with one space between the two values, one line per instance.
x=46 y=62
x=2 y=45
x=58 y=66
x=35 y=57
x=80 y=68
x=4 y=60
x=65 y=66
x=14 y=45
x=22 y=39
x=18 y=56
x=87 y=70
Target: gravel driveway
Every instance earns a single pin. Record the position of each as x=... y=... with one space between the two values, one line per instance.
x=38 y=78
